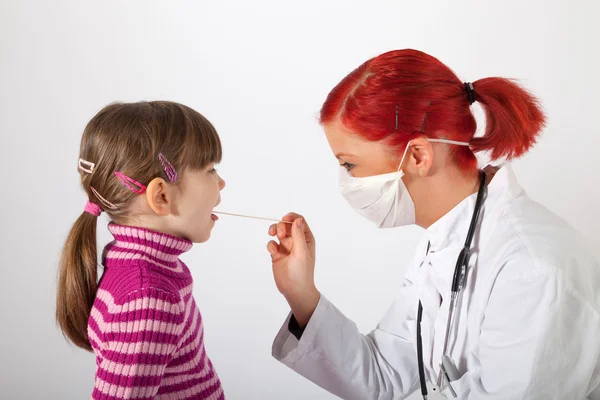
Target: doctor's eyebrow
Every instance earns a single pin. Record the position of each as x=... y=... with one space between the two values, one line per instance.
x=338 y=155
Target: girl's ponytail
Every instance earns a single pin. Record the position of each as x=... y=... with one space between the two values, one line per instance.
x=77 y=282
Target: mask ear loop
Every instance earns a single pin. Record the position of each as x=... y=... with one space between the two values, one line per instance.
x=446 y=141
x=404 y=155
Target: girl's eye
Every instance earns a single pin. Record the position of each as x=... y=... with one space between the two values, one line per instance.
x=348 y=166
x=213 y=171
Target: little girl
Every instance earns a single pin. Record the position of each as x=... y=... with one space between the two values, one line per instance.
x=150 y=167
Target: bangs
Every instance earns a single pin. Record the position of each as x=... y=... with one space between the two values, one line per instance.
x=202 y=145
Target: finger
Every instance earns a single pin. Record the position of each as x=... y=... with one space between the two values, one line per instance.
x=310 y=238
x=284 y=247
x=283 y=230
x=287 y=228
x=290 y=217
x=276 y=251
x=272 y=247
x=273 y=230
x=299 y=237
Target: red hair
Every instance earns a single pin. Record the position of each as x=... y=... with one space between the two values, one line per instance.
x=432 y=101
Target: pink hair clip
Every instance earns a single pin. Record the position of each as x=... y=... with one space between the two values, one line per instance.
x=104 y=202
x=131 y=183
x=86 y=166
x=168 y=168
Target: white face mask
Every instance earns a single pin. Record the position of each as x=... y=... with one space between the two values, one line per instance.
x=383 y=199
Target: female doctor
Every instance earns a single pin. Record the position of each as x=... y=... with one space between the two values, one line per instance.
x=502 y=298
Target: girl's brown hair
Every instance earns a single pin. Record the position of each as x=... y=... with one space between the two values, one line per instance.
x=124 y=137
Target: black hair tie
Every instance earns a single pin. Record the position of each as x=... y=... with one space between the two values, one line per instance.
x=470 y=92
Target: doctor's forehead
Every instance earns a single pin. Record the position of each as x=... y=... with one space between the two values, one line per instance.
x=343 y=142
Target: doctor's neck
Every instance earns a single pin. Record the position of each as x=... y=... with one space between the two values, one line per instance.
x=440 y=191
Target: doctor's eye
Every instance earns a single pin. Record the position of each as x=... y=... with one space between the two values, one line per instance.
x=348 y=166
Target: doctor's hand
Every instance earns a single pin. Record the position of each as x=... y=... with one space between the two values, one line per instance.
x=294 y=265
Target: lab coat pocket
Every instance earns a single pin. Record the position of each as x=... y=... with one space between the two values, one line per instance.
x=461 y=386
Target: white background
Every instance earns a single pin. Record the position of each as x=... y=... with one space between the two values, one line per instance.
x=259 y=70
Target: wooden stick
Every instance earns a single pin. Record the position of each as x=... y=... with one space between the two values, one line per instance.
x=250 y=216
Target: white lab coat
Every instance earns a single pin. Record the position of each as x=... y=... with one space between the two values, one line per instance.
x=528 y=323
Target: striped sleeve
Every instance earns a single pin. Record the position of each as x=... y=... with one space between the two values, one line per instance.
x=140 y=333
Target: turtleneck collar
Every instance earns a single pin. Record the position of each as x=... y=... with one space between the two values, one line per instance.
x=134 y=243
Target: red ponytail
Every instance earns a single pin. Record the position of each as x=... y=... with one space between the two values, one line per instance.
x=432 y=101
x=513 y=118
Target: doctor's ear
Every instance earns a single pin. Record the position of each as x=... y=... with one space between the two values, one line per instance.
x=419 y=158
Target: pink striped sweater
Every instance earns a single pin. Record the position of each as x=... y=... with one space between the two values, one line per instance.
x=145 y=327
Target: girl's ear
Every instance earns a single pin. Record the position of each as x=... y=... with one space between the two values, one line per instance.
x=159 y=197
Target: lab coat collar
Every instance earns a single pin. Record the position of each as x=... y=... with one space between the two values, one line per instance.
x=452 y=228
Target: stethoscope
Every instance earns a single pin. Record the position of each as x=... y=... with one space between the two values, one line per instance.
x=448 y=370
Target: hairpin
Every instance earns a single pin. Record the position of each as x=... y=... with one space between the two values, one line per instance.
x=131 y=183
x=168 y=168
x=104 y=202
x=86 y=166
